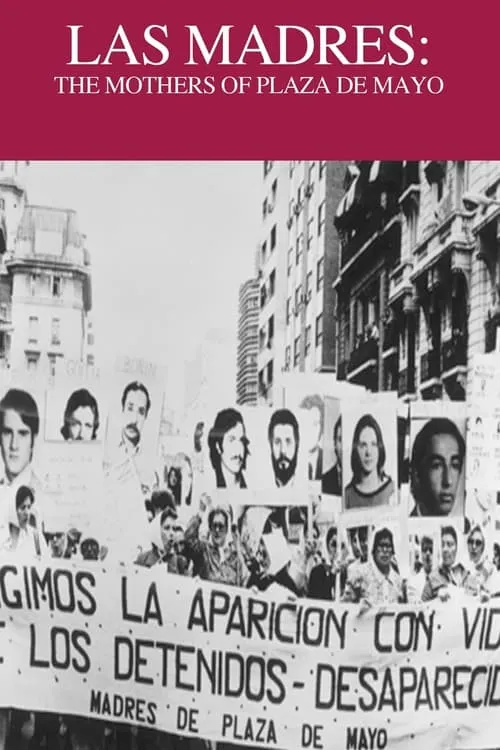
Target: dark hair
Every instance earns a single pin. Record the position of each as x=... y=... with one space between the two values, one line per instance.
x=25 y=405
x=216 y=511
x=283 y=416
x=225 y=421
x=427 y=540
x=338 y=425
x=80 y=398
x=168 y=513
x=314 y=401
x=90 y=549
x=332 y=531
x=162 y=499
x=367 y=420
x=197 y=436
x=496 y=549
x=450 y=531
x=379 y=536
x=475 y=528
x=23 y=494
x=435 y=426
x=136 y=386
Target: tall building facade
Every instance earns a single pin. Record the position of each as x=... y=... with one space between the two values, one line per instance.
x=298 y=265
x=419 y=283
x=248 y=343
x=45 y=283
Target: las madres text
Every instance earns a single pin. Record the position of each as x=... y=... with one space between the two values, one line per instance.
x=278 y=45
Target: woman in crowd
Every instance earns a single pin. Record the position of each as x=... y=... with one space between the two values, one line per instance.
x=377 y=581
x=450 y=576
x=25 y=539
x=163 y=549
x=327 y=580
x=370 y=485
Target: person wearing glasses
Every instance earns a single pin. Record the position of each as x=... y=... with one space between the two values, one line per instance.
x=376 y=581
x=481 y=568
x=450 y=576
x=216 y=556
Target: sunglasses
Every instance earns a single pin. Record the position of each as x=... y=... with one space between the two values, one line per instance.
x=475 y=542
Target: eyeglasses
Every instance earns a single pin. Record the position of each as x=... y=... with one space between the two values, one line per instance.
x=385 y=547
x=218 y=526
x=475 y=542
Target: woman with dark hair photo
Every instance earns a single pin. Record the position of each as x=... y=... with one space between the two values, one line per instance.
x=370 y=485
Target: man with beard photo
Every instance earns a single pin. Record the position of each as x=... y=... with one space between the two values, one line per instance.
x=136 y=404
x=228 y=447
x=283 y=435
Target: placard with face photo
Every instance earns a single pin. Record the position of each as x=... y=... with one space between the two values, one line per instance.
x=76 y=410
x=177 y=470
x=135 y=410
x=370 y=453
x=437 y=459
x=255 y=449
x=331 y=481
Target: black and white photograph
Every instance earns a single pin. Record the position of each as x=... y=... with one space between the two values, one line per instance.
x=437 y=460
x=370 y=457
x=331 y=481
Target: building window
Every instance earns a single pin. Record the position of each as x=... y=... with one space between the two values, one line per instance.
x=298 y=298
x=52 y=365
x=320 y=270
x=319 y=329
x=322 y=168
x=288 y=310
x=288 y=357
x=296 y=351
x=33 y=285
x=310 y=233
x=273 y=237
x=272 y=283
x=321 y=217
x=90 y=339
x=308 y=340
x=300 y=194
x=290 y=261
x=33 y=330
x=31 y=363
x=299 y=248
x=270 y=331
x=269 y=372
x=56 y=286
x=56 y=331
x=310 y=178
x=263 y=252
x=309 y=281
x=274 y=193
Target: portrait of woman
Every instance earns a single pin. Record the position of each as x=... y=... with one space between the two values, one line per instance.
x=370 y=485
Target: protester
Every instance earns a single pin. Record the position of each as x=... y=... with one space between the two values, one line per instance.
x=25 y=538
x=370 y=485
x=417 y=581
x=376 y=581
x=81 y=416
x=327 y=580
x=480 y=567
x=217 y=556
x=450 y=575
x=163 y=545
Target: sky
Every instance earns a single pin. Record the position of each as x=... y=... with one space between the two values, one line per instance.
x=170 y=242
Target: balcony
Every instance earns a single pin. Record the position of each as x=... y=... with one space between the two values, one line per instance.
x=444 y=235
x=374 y=225
x=406 y=383
x=454 y=355
x=391 y=372
x=430 y=368
x=391 y=338
x=363 y=357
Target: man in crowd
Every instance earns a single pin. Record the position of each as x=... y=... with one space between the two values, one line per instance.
x=332 y=479
x=417 y=582
x=283 y=435
x=436 y=467
x=315 y=415
x=228 y=447
x=81 y=416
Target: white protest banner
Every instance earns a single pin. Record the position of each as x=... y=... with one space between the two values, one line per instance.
x=207 y=660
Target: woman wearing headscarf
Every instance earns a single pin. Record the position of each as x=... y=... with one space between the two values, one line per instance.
x=376 y=581
x=481 y=569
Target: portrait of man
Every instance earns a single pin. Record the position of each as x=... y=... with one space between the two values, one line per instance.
x=436 y=467
x=283 y=435
x=312 y=433
x=332 y=479
x=136 y=404
x=229 y=449
x=19 y=428
x=81 y=416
